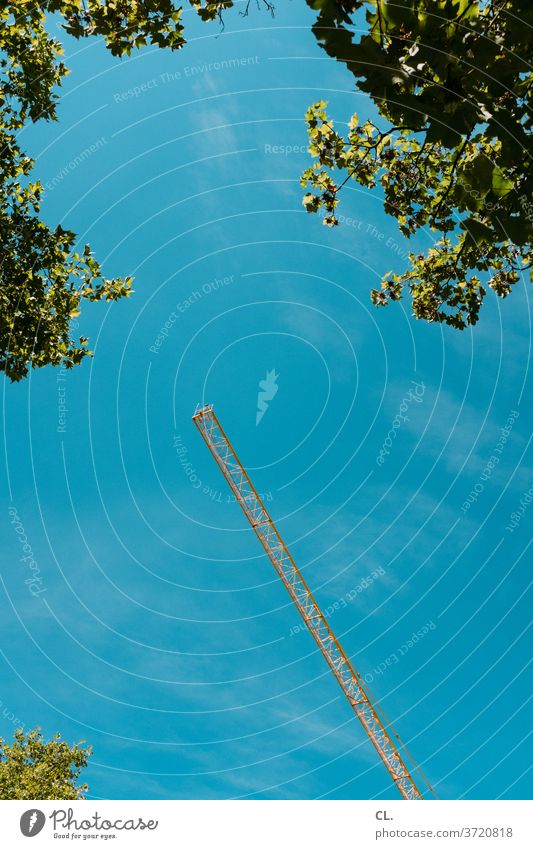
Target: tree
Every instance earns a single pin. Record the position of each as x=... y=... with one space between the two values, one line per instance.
x=42 y=281
x=33 y=769
x=452 y=83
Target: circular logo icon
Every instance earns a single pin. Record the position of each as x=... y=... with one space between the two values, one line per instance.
x=32 y=822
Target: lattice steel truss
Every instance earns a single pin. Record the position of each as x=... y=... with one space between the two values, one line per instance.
x=269 y=537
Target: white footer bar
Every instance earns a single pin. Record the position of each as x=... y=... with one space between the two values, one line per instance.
x=268 y=824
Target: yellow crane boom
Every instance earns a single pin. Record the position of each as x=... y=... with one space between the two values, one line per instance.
x=269 y=537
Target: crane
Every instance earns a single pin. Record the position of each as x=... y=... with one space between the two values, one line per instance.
x=349 y=679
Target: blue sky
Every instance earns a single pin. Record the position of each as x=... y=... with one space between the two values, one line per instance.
x=162 y=635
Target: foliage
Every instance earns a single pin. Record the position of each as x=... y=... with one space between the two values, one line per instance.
x=42 y=281
x=125 y=24
x=451 y=81
x=30 y=768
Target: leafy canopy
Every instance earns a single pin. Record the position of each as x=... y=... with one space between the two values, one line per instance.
x=43 y=281
x=452 y=82
x=30 y=768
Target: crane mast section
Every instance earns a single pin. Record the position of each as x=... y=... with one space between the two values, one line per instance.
x=269 y=537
